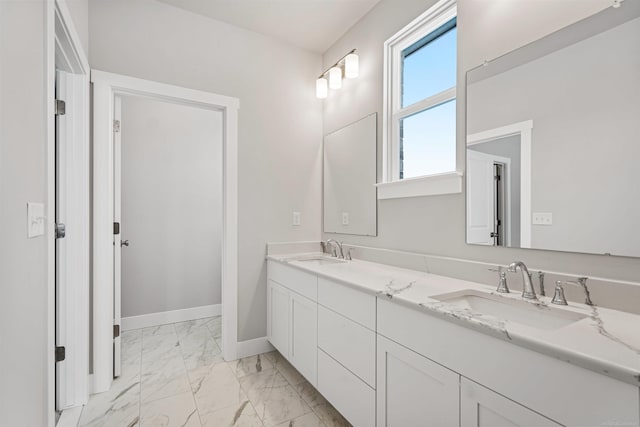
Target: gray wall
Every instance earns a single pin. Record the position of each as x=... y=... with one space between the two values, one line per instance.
x=79 y=11
x=23 y=272
x=23 y=306
x=280 y=120
x=171 y=206
x=486 y=29
x=583 y=101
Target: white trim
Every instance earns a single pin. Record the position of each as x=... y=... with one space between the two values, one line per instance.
x=432 y=19
x=70 y=417
x=49 y=84
x=432 y=185
x=173 y=316
x=525 y=130
x=253 y=347
x=56 y=14
x=105 y=87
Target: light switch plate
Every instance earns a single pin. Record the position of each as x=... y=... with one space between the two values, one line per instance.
x=35 y=219
x=542 y=218
x=297 y=218
x=345 y=218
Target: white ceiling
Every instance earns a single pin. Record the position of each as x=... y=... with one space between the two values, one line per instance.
x=310 y=24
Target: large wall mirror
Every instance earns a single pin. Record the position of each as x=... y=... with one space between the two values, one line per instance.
x=553 y=140
x=349 y=179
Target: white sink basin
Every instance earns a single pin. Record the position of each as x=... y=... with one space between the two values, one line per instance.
x=522 y=312
x=319 y=260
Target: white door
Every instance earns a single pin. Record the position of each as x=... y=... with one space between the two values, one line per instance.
x=72 y=242
x=117 y=234
x=480 y=202
x=62 y=291
x=413 y=391
x=303 y=351
x=278 y=317
x=481 y=407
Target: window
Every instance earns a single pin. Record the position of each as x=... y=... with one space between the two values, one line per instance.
x=420 y=107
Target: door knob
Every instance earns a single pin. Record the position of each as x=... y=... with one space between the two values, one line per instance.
x=124 y=243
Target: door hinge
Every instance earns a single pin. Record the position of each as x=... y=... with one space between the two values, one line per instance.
x=61 y=231
x=116 y=331
x=60 y=107
x=116 y=125
x=116 y=228
x=60 y=354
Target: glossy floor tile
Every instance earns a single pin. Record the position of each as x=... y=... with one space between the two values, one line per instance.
x=174 y=375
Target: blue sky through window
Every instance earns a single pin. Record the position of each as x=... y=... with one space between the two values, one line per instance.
x=429 y=137
x=429 y=141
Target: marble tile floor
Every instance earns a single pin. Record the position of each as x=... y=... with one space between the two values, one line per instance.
x=174 y=375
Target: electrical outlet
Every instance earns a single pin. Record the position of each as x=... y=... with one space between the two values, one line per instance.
x=296 y=218
x=345 y=218
x=542 y=218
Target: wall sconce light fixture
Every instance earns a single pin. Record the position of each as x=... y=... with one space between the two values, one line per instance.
x=348 y=65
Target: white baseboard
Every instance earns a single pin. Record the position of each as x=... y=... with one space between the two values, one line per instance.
x=253 y=347
x=164 y=317
x=70 y=417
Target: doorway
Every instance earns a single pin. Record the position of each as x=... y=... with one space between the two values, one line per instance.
x=69 y=205
x=109 y=92
x=498 y=191
x=168 y=207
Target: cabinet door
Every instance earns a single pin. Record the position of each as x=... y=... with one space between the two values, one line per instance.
x=481 y=407
x=413 y=390
x=278 y=317
x=303 y=349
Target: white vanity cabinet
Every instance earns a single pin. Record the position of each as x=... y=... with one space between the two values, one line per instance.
x=413 y=390
x=278 y=317
x=481 y=407
x=504 y=383
x=387 y=363
x=347 y=350
x=292 y=317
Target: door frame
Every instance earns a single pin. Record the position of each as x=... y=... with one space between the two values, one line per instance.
x=525 y=130
x=62 y=43
x=105 y=87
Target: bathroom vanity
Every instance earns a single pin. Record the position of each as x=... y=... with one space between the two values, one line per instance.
x=395 y=347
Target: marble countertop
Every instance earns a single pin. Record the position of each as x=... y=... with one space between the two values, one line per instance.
x=604 y=340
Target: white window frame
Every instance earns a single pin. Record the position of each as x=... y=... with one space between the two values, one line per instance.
x=391 y=186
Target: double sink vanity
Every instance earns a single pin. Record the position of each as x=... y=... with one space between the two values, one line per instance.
x=388 y=346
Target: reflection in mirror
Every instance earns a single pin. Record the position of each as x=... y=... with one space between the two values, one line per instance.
x=552 y=142
x=350 y=177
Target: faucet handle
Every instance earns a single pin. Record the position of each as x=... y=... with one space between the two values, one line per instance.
x=502 y=284
x=582 y=283
x=558 y=296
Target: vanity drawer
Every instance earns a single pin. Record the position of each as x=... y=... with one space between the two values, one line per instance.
x=351 y=396
x=351 y=344
x=351 y=303
x=305 y=284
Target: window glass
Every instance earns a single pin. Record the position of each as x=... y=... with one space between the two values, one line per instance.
x=428 y=141
x=429 y=66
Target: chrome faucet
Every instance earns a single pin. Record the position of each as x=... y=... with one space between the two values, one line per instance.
x=502 y=283
x=528 y=292
x=338 y=247
x=559 y=298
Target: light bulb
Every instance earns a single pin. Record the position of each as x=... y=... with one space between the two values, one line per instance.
x=351 y=66
x=335 y=78
x=322 y=88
